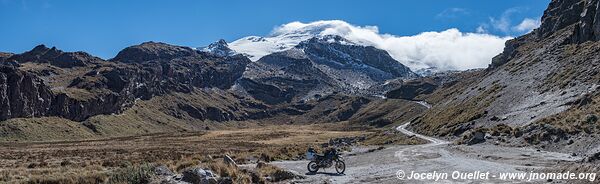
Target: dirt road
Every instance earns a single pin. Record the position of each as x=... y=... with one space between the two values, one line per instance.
x=437 y=156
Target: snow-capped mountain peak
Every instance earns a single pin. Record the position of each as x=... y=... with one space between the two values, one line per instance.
x=288 y=36
x=446 y=50
x=219 y=48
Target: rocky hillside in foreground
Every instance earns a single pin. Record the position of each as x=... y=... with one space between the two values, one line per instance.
x=542 y=90
x=50 y=94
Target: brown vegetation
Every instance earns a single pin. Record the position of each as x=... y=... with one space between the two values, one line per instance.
x=91 y=161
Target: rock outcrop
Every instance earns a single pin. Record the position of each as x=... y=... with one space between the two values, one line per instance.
x=578 y=19
x=4 y=56
x=408 y=90
x=139 y=72
x=22 y=94
x=198 y=175
x=339 y=53
x=184 y=65
x=582 y=15
x=149 y=51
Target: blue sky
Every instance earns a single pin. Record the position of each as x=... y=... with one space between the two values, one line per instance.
x=102 y=28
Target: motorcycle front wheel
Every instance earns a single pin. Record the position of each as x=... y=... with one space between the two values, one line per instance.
x=340 y=167
x=312 y=167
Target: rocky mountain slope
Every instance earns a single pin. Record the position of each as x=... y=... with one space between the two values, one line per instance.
x=539 y=91
x=75 y=85
x=157 y=87
x=319 y=67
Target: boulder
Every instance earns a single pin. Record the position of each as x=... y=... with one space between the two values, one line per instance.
x=256 y=177
x=261 y=164
x=198 y=175
x=281 y=175
x=476 y=138
x=225 y=180
x=488 y=136
x=163 y=170
x=593 y=155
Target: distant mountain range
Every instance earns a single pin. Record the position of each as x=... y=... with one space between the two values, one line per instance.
x=542 y=90
x=177 y=86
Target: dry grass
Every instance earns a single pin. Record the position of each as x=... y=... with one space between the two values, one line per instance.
x=581 y=119
x=96 y=160
x=444 y=120
x=575 y=67
x=143 y=173
x=391 y=137
x=224 y=170
x=387 y=113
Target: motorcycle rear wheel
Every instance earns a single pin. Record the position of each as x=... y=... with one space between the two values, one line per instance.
x=340 y=167
x=312 y=167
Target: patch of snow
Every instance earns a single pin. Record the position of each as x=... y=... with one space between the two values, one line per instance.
x=256 y=47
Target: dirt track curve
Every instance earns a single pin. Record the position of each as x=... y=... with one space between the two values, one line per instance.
x=438 y=156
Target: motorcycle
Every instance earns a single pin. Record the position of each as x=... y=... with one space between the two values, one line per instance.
x=331 y=158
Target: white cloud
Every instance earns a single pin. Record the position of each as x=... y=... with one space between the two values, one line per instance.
x=527 y=25
x=446 y=50
x=481 y=29
x=452 y=13
x=505 y=25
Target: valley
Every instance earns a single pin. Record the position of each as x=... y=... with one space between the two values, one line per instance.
x=97 y=159
x=246 y=111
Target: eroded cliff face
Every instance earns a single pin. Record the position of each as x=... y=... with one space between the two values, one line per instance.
x=582 y=15
x=565 y=21
x=22 y=94
x=75 y=85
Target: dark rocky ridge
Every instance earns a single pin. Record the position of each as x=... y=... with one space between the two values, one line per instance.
x=187 y=85
x=54 y=56
x=147 y=70
x=23 y=94
x=4 y=56
x=149 y=51
x=338 y=52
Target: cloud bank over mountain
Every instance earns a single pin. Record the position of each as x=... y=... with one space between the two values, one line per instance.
x=446 y=50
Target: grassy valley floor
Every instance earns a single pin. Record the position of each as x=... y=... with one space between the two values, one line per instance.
x=96 y=160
